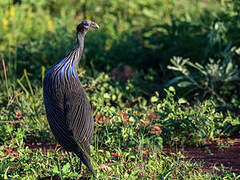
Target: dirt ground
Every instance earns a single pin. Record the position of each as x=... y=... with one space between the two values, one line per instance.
x=213 y=154
x=227 y=154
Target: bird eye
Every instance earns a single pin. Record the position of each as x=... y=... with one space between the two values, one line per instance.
x=85 y=24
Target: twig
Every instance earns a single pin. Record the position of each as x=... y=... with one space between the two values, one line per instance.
x=12 y=122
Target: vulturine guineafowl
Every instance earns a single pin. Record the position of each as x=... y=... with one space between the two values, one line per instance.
x=67 y=107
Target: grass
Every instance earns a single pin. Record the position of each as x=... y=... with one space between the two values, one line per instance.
x=133 y=120
x=128 y=138
x=126 y=165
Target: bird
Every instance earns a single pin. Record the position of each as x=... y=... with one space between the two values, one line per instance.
x=68 y=109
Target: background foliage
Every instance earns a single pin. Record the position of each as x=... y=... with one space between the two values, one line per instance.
x=186 y=91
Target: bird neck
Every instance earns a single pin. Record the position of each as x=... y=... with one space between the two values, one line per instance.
x=69 y=64
x=79 y=48
x=80 y=39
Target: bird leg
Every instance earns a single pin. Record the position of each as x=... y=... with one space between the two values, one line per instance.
x=70 y=157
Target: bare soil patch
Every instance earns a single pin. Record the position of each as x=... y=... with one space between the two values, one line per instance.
x=213 y=154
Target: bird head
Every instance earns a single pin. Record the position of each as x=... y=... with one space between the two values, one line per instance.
x=86 y=26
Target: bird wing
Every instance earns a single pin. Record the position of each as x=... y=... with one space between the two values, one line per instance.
x=78 y=116
x=57 y=122
x=80 y=121
x=71 y=121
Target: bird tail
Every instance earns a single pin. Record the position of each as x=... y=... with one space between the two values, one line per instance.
x=85 y=158
x=84 y=154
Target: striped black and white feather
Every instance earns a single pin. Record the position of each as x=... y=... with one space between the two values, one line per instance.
x=67 y=107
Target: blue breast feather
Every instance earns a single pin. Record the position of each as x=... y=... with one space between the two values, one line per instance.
x=71 y=70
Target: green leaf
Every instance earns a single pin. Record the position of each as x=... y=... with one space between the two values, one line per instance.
x=108 y=155
x=106 y=96
x=173 y=68
x=55 y=170
x=182 y=101
x=172 y=89
x=132 y=119
x=159 y=106
x=114 y=97
x=66 y=168
x=237 y=51
x=5 y=174
x=154 y=99
x=229 y=67
x=184 y=84
x=148 y=12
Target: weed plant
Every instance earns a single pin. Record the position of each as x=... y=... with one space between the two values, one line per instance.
x=133 y=120
x=128 y=137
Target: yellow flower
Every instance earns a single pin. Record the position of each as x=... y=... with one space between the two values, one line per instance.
x=5 y=23
x=6 y=13
x=12 y=12
x=50 y=25
x=130 y=11
x=108 y=44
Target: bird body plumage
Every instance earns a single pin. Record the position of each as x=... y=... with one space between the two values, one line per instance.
x=67 y=107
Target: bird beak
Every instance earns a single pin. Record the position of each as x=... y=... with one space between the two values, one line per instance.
x=95 y=26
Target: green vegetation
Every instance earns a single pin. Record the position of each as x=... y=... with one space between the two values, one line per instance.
x=186 y=91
